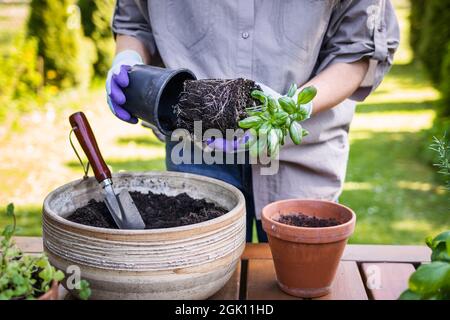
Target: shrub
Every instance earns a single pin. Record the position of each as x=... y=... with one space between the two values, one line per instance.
x=96 y=20
x=415 y=24
x=61 y=43
x=20 y=78
x=434 y=37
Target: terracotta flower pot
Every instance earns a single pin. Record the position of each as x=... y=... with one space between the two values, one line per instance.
x=306 y=259
x=51 y=294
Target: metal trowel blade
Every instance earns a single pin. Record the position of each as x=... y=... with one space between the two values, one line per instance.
x=131 y=217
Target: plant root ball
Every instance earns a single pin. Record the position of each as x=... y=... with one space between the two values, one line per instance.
x=218 y=103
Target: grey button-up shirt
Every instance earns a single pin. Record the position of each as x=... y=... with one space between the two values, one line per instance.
x=275 y=42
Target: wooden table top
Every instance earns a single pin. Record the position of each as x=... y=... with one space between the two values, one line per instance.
x=375 y=272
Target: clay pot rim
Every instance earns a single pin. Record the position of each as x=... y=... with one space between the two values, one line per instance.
x=124 y=232
x=307 y=234
x=53 y=291
x=349 y=222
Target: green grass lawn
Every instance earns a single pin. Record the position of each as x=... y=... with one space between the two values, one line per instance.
x=394 y=192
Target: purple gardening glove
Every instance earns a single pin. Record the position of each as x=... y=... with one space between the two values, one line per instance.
x=117 y=79
x=229 y=146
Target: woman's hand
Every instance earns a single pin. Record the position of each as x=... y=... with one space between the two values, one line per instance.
x=117 y=79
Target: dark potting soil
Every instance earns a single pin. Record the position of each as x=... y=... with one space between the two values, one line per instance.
x=157 y=211
x=301 y=220
x=218 y=103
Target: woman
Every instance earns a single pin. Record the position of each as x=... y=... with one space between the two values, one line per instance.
x=343 y=48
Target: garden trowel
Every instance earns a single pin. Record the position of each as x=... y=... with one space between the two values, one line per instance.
x=121 y=206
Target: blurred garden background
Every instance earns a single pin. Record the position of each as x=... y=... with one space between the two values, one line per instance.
x=54 y=55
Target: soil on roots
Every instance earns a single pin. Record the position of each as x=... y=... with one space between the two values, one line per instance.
x=157 y=211
x=218 y=103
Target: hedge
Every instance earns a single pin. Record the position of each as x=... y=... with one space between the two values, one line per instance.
x=416 y=23
x=445 y=84
x=434 y=37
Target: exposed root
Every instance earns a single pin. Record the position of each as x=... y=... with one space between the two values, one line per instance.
x=218 y=103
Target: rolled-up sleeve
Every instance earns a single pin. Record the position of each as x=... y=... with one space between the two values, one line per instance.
x=361 y=29
x=132 y=18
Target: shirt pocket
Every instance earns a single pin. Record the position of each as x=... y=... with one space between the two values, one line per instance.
x=189 y=21
x=302 y=25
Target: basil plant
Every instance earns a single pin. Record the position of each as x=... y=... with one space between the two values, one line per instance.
x=271 y=121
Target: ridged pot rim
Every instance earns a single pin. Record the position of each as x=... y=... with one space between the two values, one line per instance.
x=305 y=234
x=47 y=211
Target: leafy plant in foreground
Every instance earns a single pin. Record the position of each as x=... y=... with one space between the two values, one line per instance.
x=432 y=281
x=442 y=148
x=272 y=120
x=25 y=276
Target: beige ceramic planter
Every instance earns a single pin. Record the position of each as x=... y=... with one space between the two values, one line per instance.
x=188 y=262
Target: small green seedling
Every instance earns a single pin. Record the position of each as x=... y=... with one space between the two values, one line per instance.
x=25 y=276
x=271 y=120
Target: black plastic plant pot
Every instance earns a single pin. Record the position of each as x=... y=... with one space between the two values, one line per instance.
x=152 y=93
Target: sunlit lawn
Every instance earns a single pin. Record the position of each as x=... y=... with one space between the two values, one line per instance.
x=392 y=190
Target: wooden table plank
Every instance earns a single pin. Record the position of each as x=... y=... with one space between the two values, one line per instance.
x=348 y=284
x=386 y=253
x=357 y=252
x=261 y=282
x=257 y=251
x=395 y=263
x=29 y=244
x=386 y=281
x=231 y=290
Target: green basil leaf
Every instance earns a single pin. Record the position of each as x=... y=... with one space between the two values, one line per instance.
x=272 y=105
x=409 y=295
x=264 y=129
x=304 y=132
x=280 y=117
x=306 y=95
x=287 y=104
x=258 y=147
x=273 y=142
x=429 y=278
x=259 y=95
x=250 y=122
x=440 y=246
x=295 y=131
x=292 y=90
x=440 y=253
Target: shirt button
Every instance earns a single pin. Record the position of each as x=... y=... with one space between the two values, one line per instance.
x=245 y=35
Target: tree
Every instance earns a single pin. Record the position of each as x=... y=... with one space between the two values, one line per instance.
x=96 y=20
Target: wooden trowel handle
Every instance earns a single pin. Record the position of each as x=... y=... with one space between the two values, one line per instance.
x=86 y=138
